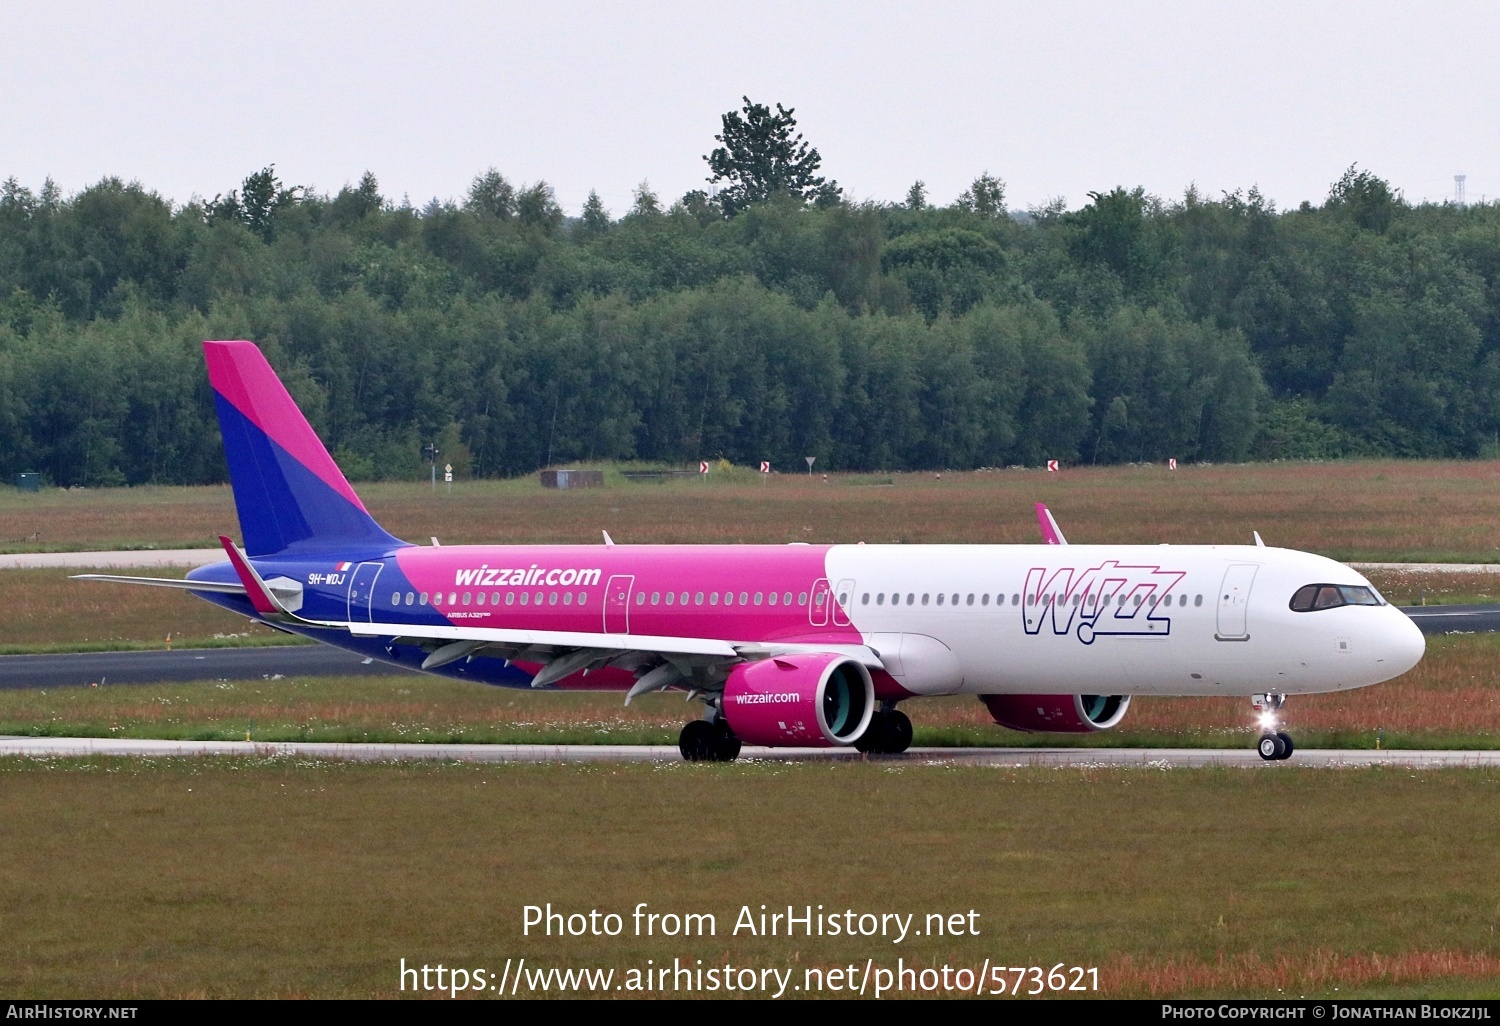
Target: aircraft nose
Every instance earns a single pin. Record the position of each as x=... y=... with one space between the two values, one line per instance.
x=1404 y=643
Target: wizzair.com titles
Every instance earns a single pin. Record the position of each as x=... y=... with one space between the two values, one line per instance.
x=486 y=576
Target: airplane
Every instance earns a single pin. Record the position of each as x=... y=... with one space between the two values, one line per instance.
x=795 y=645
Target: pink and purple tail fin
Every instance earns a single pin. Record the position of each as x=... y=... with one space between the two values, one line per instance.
x=289 y=493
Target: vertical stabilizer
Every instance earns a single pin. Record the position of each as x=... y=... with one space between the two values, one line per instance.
x=1051 y=533
x=287 y=489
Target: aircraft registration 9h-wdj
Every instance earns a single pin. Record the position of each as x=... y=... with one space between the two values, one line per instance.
x=785 y=645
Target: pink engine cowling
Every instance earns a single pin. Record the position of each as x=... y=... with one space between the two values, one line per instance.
x=804 y=700
x=1059 y=714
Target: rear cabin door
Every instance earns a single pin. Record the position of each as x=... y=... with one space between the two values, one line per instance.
x=362 y=591
x=1234 y=602
x=617 y=604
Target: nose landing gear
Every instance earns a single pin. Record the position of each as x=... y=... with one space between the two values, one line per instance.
x=1274 y=744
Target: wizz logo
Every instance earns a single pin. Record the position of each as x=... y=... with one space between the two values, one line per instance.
x=1108 y=599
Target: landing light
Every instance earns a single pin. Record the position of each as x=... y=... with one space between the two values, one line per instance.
x=1268 y=721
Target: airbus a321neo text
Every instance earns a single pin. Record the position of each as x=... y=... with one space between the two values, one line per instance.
x=785 y=645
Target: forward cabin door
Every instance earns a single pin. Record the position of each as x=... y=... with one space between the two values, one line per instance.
x=362 y=591
x=1234 y=602
x=617 y=604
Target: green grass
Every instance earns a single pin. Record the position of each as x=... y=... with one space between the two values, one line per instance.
x=290 y=878
x=246 y=640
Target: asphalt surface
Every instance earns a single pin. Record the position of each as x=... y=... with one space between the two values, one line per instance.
x=85 y=668
x=1455 y=619
x=119 y=559
x=1061 y=758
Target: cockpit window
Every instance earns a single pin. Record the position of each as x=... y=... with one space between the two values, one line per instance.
x=1311 y=597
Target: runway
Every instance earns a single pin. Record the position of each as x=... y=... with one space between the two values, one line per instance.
x=1056 y=758
x=85 y=668
x=1455 y=619
x=115 y=559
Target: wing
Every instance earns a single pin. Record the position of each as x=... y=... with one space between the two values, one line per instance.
x=659 y=661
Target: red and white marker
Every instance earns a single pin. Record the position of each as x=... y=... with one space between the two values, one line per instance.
x=1171 y=464
x=1051 y=466
x=765 y=468
x=703 y=467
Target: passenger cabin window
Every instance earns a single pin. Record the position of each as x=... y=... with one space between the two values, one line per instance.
x=1312 y=597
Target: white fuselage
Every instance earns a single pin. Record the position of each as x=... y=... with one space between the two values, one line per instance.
x=1149 y=620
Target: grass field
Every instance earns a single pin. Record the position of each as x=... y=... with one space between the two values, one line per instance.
x=212 y=878
x=1357 y=510
x=1451 y=700
x=42 y=610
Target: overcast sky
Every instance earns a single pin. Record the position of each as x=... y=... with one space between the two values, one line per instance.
x=1055 y=98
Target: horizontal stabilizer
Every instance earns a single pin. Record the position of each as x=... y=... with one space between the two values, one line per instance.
x=223 y=587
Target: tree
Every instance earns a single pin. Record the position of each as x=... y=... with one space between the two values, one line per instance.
x=761 y=157
x=647 y=203
x=986 y=197
x=355 y=204
x=537 y=206
x=262 y=197
x=916 y=196
x=595 y=218
x=491 y=195
x=259 y=199
x=1367 y=198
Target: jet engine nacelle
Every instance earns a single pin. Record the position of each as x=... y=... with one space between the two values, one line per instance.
x=1061 y=714
x=805 y=700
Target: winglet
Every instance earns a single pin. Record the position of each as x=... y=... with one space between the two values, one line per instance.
x=1258 y=542
x=260 y=596
x=609 y=542
x=1051 y=533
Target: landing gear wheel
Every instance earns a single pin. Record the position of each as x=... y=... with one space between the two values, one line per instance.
x=872 y=741
x=1286 y=740
x=889 y=733
x=696 y=742
x=898 y=733
x=726 y=747
x=702 y=741
x=1270 y=747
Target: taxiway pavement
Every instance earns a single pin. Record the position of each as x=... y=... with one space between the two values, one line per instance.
x=183 y=665
x=1148 y=758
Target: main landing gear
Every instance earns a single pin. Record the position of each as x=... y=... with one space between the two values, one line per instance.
x=708 y=741
x=1274 y=744
x=889 y=733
